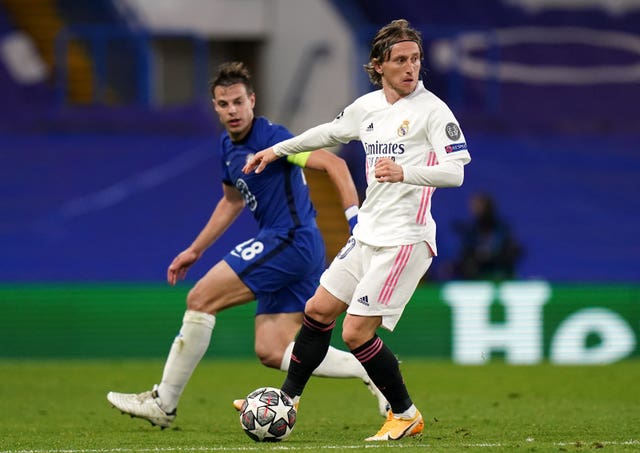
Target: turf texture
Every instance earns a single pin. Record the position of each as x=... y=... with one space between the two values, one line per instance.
x=60 y=406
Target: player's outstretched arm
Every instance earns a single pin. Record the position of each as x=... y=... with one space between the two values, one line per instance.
x=260 y=160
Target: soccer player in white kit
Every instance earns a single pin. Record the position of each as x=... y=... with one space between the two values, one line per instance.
x=413 y=145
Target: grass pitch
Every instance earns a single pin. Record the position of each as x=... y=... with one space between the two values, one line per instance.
x=60 y=406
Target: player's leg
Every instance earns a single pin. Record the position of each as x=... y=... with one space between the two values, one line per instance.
x=312 y=343
x=320 y=313
x=287 y=279
x=283 y=282
x=391 y=277
x=278 y=321
x=274 y=333
x=403 y=419
x=274 y=341
x=219 y=289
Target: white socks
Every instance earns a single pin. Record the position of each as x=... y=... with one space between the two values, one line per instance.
x=336 y=364
x=187 y=350
x=409 y=413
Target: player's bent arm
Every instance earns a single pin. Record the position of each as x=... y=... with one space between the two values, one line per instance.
x=446 y=174
x=338 y=172
x=225 y=213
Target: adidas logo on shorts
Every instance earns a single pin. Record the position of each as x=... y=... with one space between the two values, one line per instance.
x=364 y=300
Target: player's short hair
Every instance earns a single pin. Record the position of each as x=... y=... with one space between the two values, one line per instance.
x=396 y=31
x=231 y=73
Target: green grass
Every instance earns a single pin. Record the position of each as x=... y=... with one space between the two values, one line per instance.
x=56 y=406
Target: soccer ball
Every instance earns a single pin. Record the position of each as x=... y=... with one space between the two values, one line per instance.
x=267 y=415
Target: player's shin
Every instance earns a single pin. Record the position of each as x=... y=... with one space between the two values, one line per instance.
x=309 y=351
x=187 y=350
x=382 y=366
x=336 y=364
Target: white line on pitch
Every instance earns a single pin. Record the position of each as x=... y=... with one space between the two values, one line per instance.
x=303 y=448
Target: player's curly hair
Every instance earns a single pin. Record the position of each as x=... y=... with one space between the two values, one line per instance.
x=231 y=73
x=396 y=31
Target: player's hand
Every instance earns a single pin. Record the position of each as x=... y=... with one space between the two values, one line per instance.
x=259 y=161
x=386 y=170
x=180 y=265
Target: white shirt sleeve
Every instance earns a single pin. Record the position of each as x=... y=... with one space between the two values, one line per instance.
x=345 y=128
x=321 y=136
x=447 y=174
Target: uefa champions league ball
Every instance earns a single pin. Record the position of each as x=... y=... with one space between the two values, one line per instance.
x=267 y=415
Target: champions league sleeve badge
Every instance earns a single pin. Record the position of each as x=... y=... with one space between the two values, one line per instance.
x=452 y=130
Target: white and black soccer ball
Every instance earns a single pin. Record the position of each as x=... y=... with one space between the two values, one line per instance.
x=267 y=415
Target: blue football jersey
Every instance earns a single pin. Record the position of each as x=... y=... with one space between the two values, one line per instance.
x=282 y=264
x=279 y=196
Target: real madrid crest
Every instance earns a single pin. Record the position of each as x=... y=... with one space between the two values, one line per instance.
x=403 y=129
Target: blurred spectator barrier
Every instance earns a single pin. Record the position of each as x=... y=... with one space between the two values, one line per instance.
x=128 y=67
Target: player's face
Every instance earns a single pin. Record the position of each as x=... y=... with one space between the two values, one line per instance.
x=235 y=109
x=401 y=71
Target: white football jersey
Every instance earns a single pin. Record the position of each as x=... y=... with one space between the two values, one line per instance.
x=417 y=130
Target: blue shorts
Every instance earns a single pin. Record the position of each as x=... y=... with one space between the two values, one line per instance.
x=281 y=268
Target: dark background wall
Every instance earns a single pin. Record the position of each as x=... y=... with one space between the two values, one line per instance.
x=104 y=193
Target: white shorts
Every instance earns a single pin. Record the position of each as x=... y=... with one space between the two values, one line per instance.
x=377 y=281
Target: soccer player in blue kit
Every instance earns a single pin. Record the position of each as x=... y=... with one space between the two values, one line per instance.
x=280 y=267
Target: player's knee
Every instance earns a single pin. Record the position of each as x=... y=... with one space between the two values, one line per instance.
x=319 y=311
x=311 y=311
x=197 y=301
x=350 y=339
x=354 y=337
x=268 y=357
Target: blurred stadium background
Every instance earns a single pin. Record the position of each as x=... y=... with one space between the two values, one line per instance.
x=109 y=168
